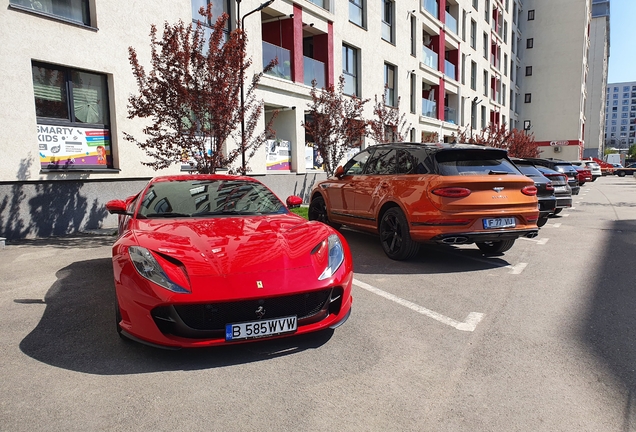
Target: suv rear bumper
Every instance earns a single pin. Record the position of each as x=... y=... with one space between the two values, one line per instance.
x=476 y=237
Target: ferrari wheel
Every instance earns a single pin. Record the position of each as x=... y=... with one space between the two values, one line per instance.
x=542 y=221
x=117 y=321
x=496 y=246
x=395 y=237
x=318 y=212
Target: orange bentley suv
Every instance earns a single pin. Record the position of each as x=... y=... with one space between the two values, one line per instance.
x=411 y=193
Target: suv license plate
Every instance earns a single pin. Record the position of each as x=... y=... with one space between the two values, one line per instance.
x=499 y=223
x=258 y=329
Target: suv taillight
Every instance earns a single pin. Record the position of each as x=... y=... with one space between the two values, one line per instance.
x=529 y=190
x=549 y=187
x=452 y=192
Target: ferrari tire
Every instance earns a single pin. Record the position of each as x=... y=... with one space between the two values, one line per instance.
x=395 y=236
x=117 y=321
x=542 y=221
x=557 y=211
x=495 y=247
x=318 y=212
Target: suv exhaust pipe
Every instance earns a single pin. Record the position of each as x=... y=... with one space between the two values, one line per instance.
x=455 y=240
x=532 y=234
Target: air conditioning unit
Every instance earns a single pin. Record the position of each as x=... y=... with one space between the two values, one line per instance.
x=558 y=149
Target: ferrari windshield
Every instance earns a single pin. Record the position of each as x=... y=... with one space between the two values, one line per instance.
x=201 y=198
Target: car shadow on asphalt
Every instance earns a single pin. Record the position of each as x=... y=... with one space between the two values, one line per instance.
x=369 y=258
x=77 y=332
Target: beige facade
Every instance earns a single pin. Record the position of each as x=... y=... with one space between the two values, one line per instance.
x=554 y=89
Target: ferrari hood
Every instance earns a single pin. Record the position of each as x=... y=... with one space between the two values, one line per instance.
x=221 y=246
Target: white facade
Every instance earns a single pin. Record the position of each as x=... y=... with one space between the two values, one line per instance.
x=620 y=115
x=452 y=63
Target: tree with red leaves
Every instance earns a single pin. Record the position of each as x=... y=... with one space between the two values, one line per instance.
x=334 y=122
x=388 y=125
x=191 y=97
x=518 y=143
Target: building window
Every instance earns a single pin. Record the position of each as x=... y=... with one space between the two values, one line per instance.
x=476 y=4
x=356 y=12
x=530 y=14
x=529 y=43
x=388 y=7
x=625 y=88
x=486 y=45
x=487 y=11
x=350 y=70
x=72 y=112
x=615 y=96
x=505 y=64
x=473 y=34
x=527 y=98
x=218 y=8
x=322 y=3
x=75 y=11
x=483 y=117
x=528 y=70
x=413 y=35
x=486 y=83
x=389 y=84
x=505 y=32
x=473 y=75
x=413 y=92
x=503 y=95
x=464 y=26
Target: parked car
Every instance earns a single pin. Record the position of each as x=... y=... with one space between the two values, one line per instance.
x=606 y=168
x=630 y=169
x=545 y=189
x=562 y=190
x=595 y=168
x=207 y=260
x=584 y=175
x=410 y=193
x=563 y=167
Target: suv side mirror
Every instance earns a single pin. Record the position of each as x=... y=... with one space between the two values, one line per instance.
x=339 y=172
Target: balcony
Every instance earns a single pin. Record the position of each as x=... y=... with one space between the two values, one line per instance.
x=451 y=23
x=429 y=108
x=431 y=7
x=449 y=70
x=430 y=57
x=450 y=115
x=314 y=70
x=283 y=68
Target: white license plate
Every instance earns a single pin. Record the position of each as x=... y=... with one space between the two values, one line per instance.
x=560 y=188
x=499 y=223
x=258 y=329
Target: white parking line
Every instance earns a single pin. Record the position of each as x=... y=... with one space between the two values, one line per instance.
x=469 y=324
x=518 y=268
x=565 y=214
x=555 y=225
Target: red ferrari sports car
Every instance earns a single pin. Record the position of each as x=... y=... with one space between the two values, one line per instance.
x=207 y=260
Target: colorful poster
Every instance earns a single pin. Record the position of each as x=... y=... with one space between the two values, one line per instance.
x=278 y=155
x=68 y=148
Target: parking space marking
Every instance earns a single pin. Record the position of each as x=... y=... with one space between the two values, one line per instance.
x=539 y=242
x=565 y=214
x=554 y=225
x=517 y=268
x=469 y=324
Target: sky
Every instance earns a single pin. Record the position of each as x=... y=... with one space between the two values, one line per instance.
x=622 y=61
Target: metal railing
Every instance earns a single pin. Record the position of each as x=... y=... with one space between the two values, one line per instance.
x=451 y=23
x=432 y=7
x=450 y=115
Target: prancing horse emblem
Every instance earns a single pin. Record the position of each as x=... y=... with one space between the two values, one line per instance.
x=260 y=312
x=498 y=189
x=259 y=284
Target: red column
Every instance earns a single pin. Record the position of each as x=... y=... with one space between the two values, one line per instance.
x=298 y=69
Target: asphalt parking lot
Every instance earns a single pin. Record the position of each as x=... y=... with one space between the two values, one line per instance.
x=538 y=339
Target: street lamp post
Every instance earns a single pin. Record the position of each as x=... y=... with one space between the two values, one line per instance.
x=242 y=77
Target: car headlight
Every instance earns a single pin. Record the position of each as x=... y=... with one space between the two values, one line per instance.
x=336 y=257
x=148 y=267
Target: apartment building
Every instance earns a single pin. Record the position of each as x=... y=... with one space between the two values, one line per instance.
x=449 y=64
x=598 y=62
x=620 y=115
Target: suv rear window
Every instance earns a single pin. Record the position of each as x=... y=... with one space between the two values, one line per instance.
x=473 y=162
x=529 y=170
